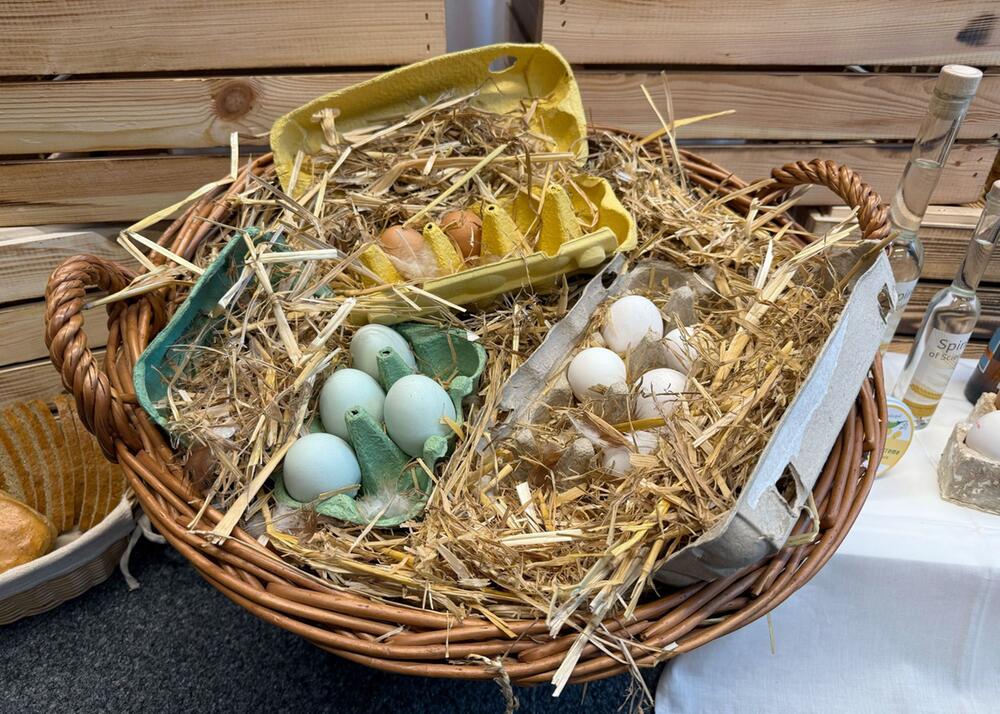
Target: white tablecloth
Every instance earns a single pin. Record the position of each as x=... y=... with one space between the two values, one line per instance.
x=904 y=618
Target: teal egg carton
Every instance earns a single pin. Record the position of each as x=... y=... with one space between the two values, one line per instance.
x=443 y=354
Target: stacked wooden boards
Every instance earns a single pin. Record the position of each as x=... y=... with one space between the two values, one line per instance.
x=847 y=81
x=113 y=109
x=945 y=232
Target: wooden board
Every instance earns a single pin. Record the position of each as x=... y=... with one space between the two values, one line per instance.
x=759 y=32
x=121 y=189
x=29 y=255
x=879 y=164
x=989 y=319
x=50 y=37
x=22 y=331
x=152 y=113
x=197 y=112
x=945 y=232
x=779 y=106
x=32 y=380
x=127 y=189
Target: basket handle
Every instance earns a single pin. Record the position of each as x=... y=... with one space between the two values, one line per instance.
x=873 y=215
x=65 y=293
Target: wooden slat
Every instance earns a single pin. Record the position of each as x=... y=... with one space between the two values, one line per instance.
x=22 y=332
x=945 y=232
x=152 y=113
x=989 y=319
x=126 y=189
x=780 y=106
x=121 y=189
x=32 y=380
x=49 y=37
x=29 y=255
x=759 y=32
x=879 y=164
x=196 y=112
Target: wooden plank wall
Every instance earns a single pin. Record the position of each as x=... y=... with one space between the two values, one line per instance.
x=113 y=109
x=847 y=81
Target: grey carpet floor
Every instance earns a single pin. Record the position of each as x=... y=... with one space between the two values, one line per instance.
x=177 y=645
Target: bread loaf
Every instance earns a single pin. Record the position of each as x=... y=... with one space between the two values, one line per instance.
x=25 y=534
x=51 y=463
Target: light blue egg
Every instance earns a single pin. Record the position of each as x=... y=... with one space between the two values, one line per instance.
x=344 y=390
x=318 y=463
x=414 y=408
x=369 y=340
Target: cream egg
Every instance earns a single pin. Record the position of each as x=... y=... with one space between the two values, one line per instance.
x=345 y=390
x=658 y=392
x=409 y=252
x=415 y=409
x=629 y=320
x=369 y=340
x=618 y=459
x=317 y=464
x=594 y=366
x=984 y=436
x=681 y=353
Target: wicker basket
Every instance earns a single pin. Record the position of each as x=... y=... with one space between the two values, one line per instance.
x=397 y=637
x=67 y=572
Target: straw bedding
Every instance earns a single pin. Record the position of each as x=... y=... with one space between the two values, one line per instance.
x=500 y=538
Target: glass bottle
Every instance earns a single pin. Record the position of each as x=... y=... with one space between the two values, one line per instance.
x=948 y=322
x=986 y=376
x=953 y=92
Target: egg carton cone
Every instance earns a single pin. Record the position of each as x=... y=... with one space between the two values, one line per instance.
x=444 y=354
x=965 y=476
x=762 y=519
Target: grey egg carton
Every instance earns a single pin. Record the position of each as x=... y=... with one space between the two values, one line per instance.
x=965 y=476
x=762 y=519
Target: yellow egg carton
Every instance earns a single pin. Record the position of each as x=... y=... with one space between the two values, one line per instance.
x=577 y=227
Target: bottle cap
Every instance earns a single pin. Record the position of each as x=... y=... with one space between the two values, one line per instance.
x=958 y=80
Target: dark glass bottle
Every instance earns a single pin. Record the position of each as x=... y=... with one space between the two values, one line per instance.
x=986 y=376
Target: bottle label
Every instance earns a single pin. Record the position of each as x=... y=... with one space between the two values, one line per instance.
x=903 y=293
x=991 y=350
x=937 y=363
x=899 y=434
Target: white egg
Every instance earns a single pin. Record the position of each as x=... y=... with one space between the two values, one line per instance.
x=630 y=319
x=681 y=353
x=344 y=390
x=369 y=340
x=319 y=463
x=617 y=459
x=592 y=367
x=657 y=392
x=984 y=436
x=414 y=410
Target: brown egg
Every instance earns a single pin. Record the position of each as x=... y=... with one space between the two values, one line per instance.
x=409 y=252
x=465 y=229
